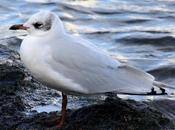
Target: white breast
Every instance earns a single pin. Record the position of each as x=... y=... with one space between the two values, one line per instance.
x=34 y=56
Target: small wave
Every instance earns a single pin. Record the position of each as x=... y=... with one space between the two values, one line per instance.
x=136 y=21
x=156 y=32
x=12 y=43
x=163 y=72
x=75 y=8
x=106 y=12
x=39 y=1
x=157 y=41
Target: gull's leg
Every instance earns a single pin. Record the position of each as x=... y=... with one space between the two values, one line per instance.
x=63 y=110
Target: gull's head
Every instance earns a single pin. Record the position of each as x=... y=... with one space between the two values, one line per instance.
x=41 y=23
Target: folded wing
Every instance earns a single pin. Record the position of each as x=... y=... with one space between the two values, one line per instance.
x=95 y=71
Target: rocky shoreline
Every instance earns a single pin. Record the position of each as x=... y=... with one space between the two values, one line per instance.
x=18 y=94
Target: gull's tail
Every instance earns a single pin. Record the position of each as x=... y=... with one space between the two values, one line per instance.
x=165 y=87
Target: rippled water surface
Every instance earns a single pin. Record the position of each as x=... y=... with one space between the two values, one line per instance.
x=139 y=32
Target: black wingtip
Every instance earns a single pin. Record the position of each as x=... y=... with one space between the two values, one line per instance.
x=13 y=27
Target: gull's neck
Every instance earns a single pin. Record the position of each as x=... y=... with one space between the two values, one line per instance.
x=58 y=28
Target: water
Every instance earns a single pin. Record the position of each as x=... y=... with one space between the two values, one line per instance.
x=140 y=33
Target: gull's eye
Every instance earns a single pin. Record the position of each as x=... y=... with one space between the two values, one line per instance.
x=37 y=25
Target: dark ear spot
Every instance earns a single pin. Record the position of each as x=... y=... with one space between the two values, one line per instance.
x=38 y=25
x=48 y=24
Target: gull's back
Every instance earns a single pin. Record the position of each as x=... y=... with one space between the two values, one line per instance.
x=93 y=70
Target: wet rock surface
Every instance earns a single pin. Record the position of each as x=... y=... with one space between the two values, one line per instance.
x=113 y=114
x=19 y=92
x=117 y=114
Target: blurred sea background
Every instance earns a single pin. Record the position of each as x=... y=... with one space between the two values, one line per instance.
x=138 y=32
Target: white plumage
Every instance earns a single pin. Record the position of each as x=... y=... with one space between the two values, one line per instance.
x=73 y=65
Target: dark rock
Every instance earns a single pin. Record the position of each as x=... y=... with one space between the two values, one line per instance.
x=116 y=114
x=19 y=91
x=112 y=114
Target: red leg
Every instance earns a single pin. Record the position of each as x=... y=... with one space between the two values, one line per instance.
x=63 y=110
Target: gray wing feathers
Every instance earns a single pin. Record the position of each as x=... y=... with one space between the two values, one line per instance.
x=96 y=71
x=136 y=80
